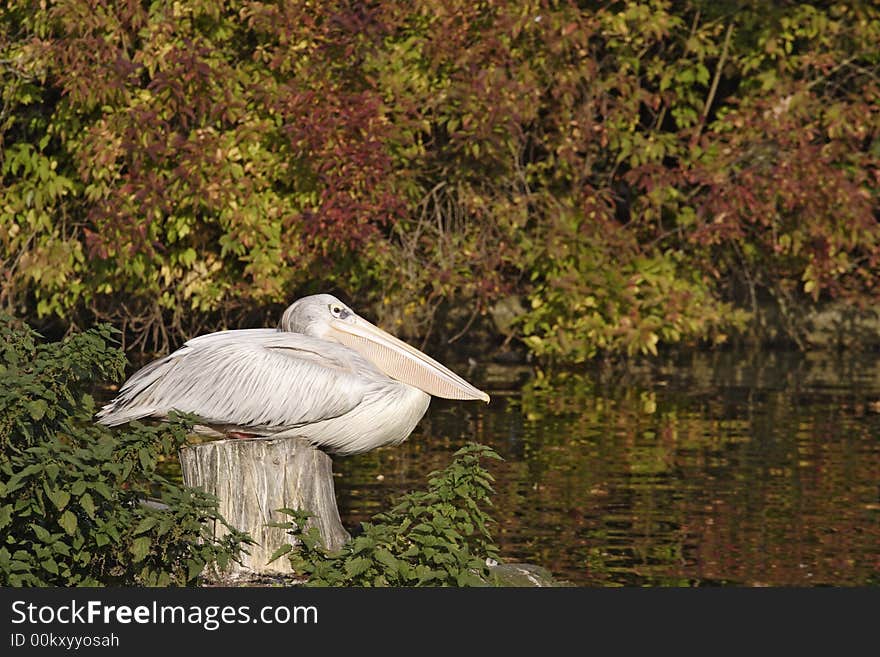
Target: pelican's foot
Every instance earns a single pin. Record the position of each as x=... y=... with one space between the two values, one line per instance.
x=240 y=434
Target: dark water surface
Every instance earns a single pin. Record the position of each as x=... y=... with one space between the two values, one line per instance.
x=703 y=469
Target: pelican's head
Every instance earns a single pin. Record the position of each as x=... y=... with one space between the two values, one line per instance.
x=326 y=317
x=312 y=315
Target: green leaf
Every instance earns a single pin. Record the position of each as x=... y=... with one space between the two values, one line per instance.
x=59 y=497
x=61 y=548
x=5 y=515
x=387 y=559
x=42 y=533
x=280 y=552
x=140 y=548
x=146 y=524
x=103 y=489
x=195 y=568
x=356 y=566
x=362 y=544
x=88 y=505
x=146 y=460
x=37 y=409
x=68 y=522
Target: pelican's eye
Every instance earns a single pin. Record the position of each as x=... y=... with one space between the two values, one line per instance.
x=338 y=311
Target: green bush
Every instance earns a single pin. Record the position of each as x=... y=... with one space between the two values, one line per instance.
x=79 y=506
x=436 y=537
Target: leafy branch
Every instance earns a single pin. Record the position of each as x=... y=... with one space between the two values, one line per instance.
x=436 y=537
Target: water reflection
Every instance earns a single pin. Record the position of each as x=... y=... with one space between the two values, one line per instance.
x=702 y=469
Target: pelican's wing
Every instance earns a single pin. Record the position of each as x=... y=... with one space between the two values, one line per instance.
x=258 y=380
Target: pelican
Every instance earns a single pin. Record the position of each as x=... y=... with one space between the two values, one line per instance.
x=325 y=374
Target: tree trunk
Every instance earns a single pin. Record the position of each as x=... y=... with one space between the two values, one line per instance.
x=254 y=478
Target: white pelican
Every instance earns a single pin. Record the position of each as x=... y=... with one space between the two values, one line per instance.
x=325 y=374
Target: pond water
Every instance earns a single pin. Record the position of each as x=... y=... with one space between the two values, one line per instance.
x=728 y=468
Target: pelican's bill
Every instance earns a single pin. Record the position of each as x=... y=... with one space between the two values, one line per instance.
x=401 y=361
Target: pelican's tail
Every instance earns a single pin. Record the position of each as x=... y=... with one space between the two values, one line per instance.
x=134 y=401
x=112 y=414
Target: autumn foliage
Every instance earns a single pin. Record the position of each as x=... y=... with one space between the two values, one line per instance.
x=638 y=173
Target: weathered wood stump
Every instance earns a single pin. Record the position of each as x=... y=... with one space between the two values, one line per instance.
x=253 y=479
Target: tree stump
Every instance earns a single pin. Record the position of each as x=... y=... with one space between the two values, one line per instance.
x=253 y=479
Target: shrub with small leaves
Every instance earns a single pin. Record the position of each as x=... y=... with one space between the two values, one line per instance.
x=80 y=506
x=436 y=537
